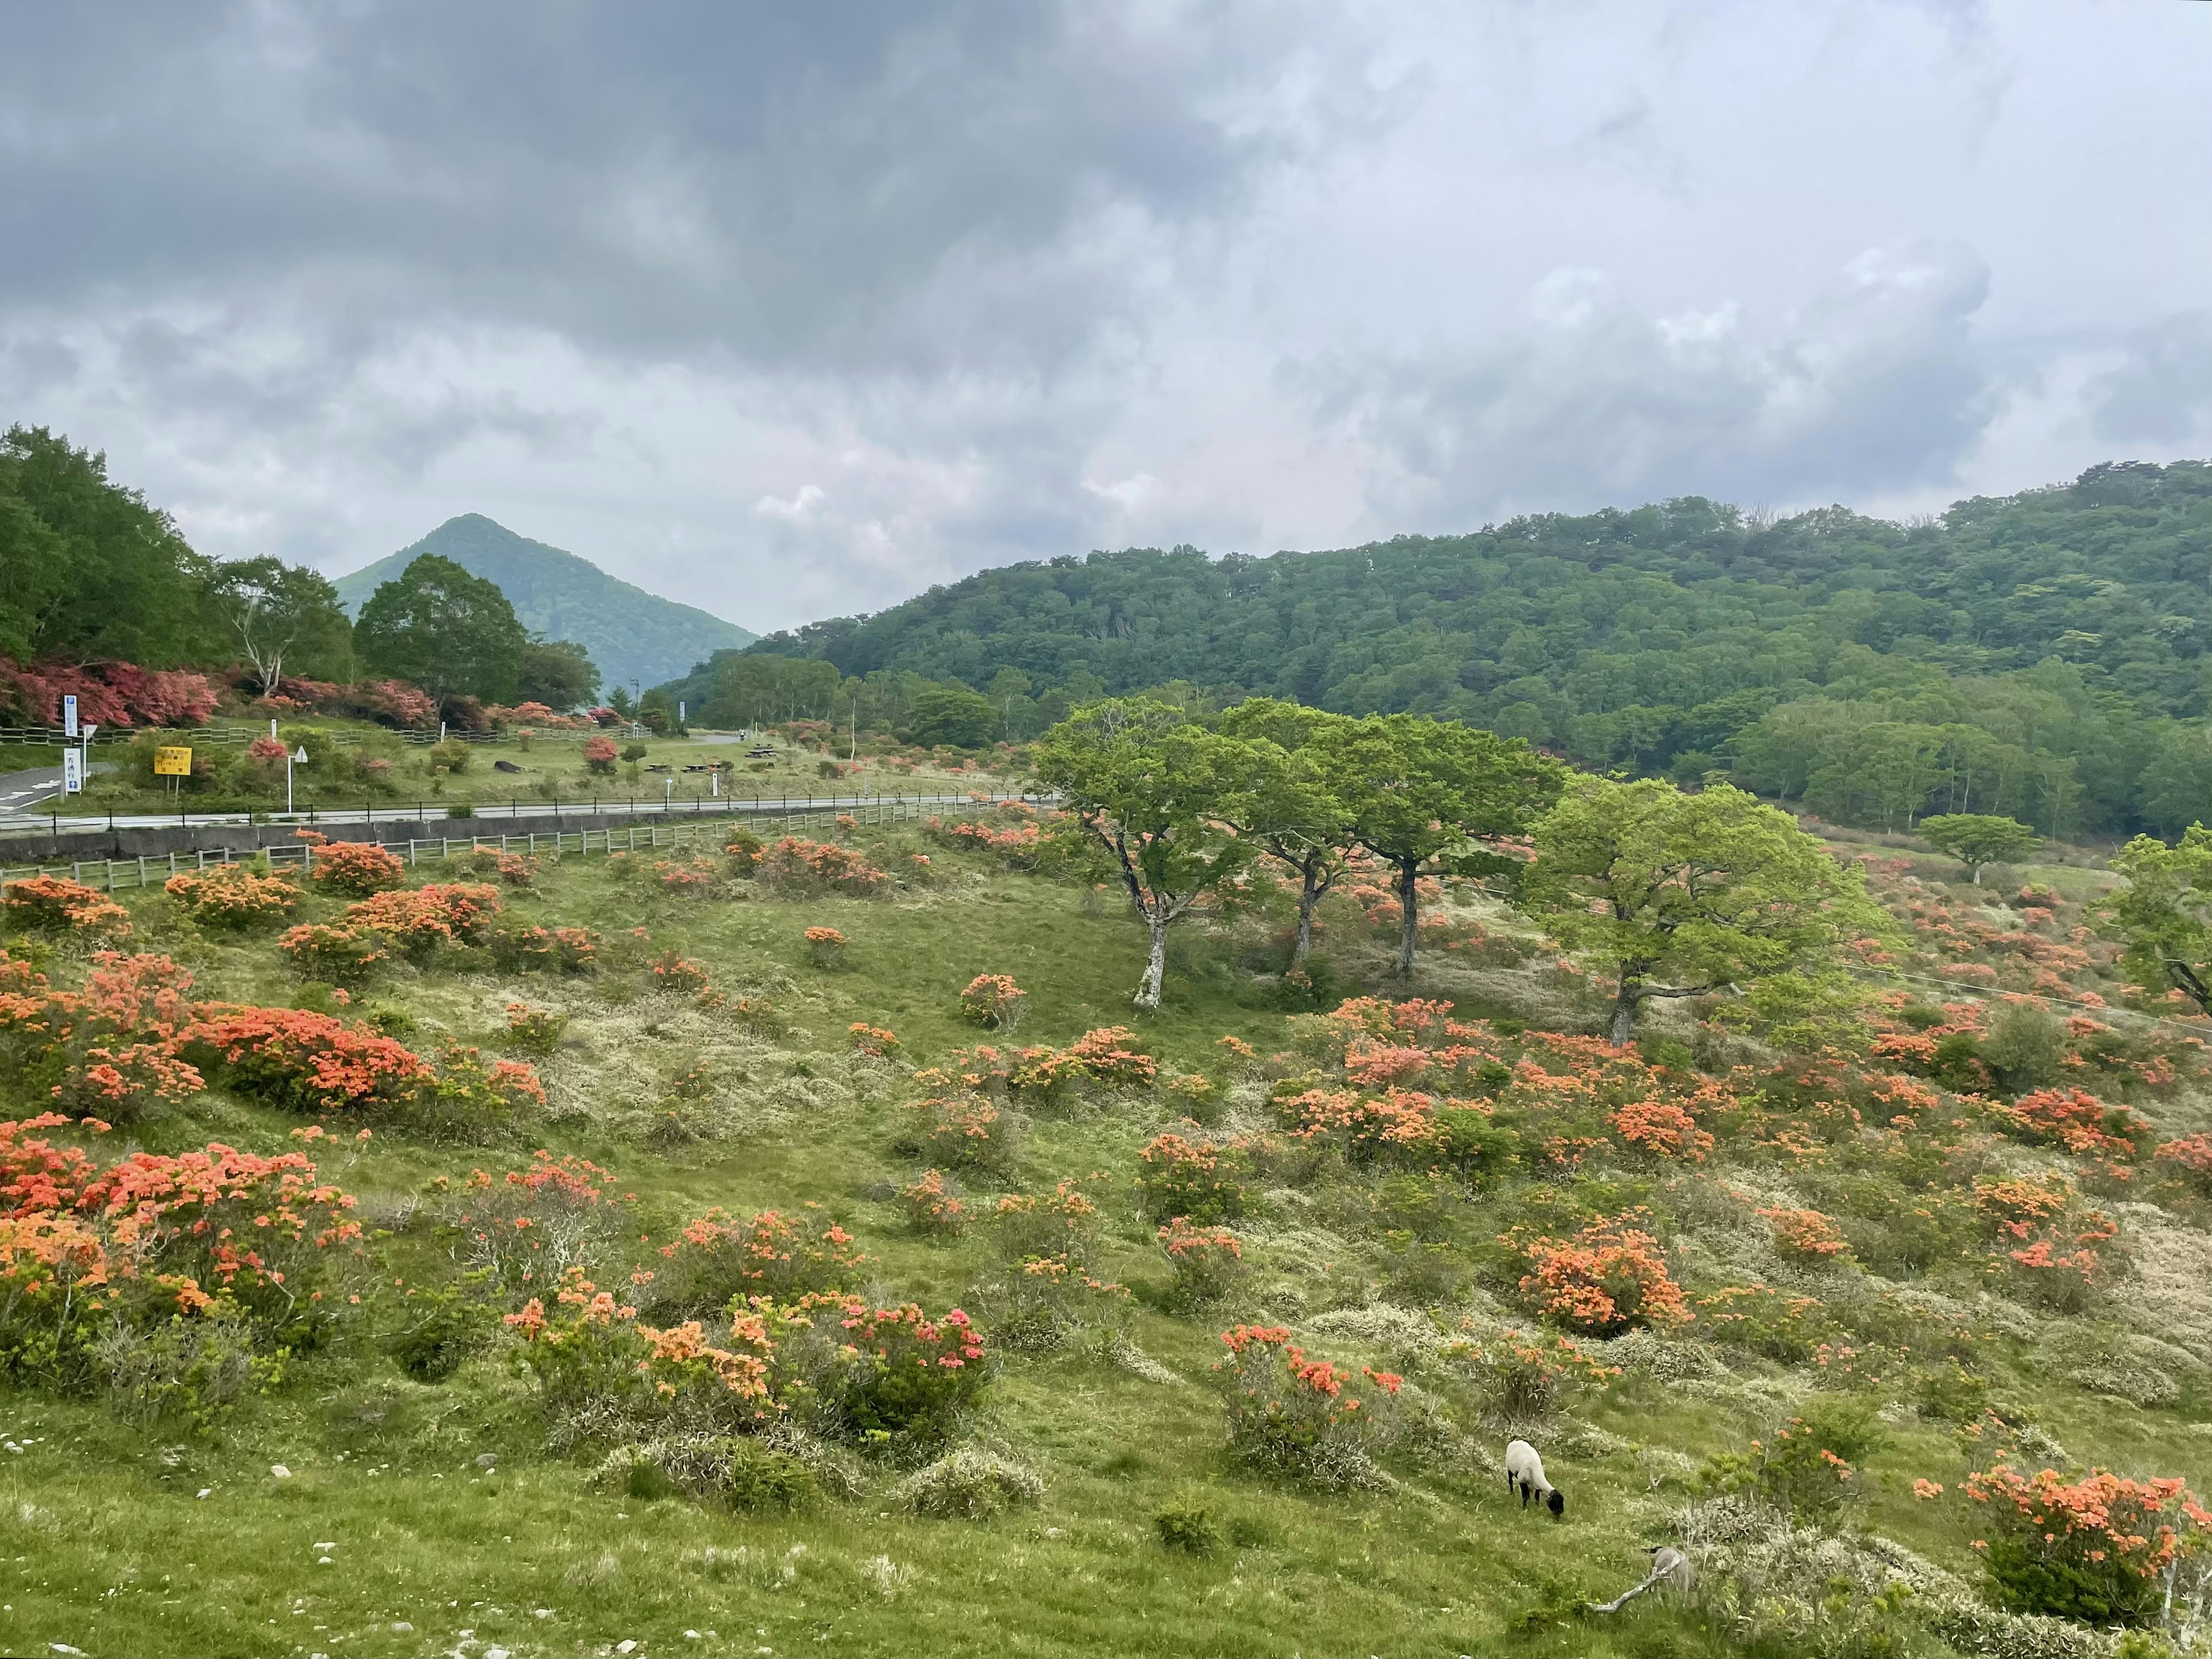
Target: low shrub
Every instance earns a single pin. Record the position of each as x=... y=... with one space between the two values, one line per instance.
x=531 y=1228
x=961 y=1130
x=544 y=949
x=534 y=1030
x=744 y=851
x=418 y=921
x=1299 y=1419
x=307 y=1062
x=1808 y=1467
x=2093 y=1549
x=1043 y=1303
x=54 y=904
x=1193 y=1179
x=748 y=1476
x=826 y=947
x=779 y=1255
x=934 y=1207
x=1188 y=1526
x=899 y=1375
x=1062 y=1222
x=1523 y=1378
x=875 y=1040
x=688 y=879
x=1805 y=1235
x=339 y=955
x=1608 y=1277
x=994 y=1000
x=969 y=1485
x=357 y=868
x=795 y=868
x=677 y=974
x=1208 y=1264
x=232 y=895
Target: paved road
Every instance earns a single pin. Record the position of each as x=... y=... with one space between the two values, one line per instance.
x=20 y=791
x=14 y=817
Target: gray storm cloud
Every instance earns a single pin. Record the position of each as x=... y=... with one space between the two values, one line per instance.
x=791 y=310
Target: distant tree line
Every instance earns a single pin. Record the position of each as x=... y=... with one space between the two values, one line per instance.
x=2045 y=656
x=90 y=573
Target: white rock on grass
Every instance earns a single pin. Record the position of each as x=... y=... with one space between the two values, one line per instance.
x=280 y=1472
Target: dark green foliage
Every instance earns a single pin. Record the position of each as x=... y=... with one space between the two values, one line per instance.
x=953 y=718
x=631 y=634
x=2097 y=1593
x=453 y=633
x=2035 y=655
x=1188 y=1526
x=88 y=569
x=558 y=673
x=1481 y=1150
x=445 y=1325
x=761 y=1479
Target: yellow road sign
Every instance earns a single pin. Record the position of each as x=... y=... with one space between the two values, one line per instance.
x=173 y=763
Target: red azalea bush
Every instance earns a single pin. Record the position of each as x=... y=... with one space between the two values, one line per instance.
x=1302 y=1418
x=354 y=867
x=1110 y=1055
x=899 y=1375
x=875 y=1040
x=1661 y=1126
x=532 y=1227
x=676 y=973
x=795 y=868
x=111 y=694
x=418 y=920
x=232 y=895
x=55 y=904
x=1607 y=1278
x=2094 y=1549
x=600 y=754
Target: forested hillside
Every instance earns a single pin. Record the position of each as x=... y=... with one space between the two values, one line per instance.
x=2040 y=655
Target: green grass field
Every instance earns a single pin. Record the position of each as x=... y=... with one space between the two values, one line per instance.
x=431 y=1518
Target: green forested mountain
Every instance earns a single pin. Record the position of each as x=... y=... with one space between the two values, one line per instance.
x=630 y=633
x=2041 y=654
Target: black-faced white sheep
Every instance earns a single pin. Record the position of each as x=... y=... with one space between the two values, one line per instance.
x=1524 y=1472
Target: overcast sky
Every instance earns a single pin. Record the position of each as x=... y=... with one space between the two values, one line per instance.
x=794 y=309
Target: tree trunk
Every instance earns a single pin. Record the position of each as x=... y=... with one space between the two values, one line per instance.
x=1625 y=1009
x=1156 y=966
x=1309 y=895
x=1977 y=875
x=1409 y=913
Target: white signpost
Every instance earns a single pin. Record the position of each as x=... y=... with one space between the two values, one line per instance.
x=72 y=771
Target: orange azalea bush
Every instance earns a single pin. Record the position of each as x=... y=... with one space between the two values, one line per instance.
x=1805 y=1235
x=1608 y=1278
x=339 y=955
x=1524 y=1377
x=993 y=999
x=535 y=1030
x=1302 y=1418
x=1208 y=1263
x=2093 y=1549
x=1399 y=1124
x=775 y=1255
x=962 y=1130
x=155 y=1238
x=1661 y=1126
x=532 y=1227
x=1110 y=1055
x=688 y=878
x=2075 y=1119
x=544 y=949
x=232 y=895
x=2049 y=1245
x=877 y=1040
x=354 y=867
x=2189 y=1159
x=419 y=920
x=676 y=973
x=1196 y=1180
x=796 y=868
x=307 y=1062
x=1062 y=1222
x=54 y=904
x=826 y=947
x=933 y=1206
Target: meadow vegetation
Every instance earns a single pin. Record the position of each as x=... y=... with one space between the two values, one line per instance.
x=806 y=1245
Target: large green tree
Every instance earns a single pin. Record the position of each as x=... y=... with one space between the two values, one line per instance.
x=1680 y=896
x=451 y=633
x=2165 y=913
x=88 y=569
x=1148 y=787
x=559 y=673
x=1433 y=796
x=1976 y=839
x=952 y=715
x=283 y=615
x=1286 y=803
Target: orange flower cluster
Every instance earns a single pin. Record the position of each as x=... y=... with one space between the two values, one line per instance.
x=960 y=1129
x=993 y=999
x=2076 y=1120
x=775 y=1254
x=2135 y=1525
x=689 y=878
x=55 y=904
x=1661 y=1126
x=800 y=866
x=232 y=895
x=356 y=867
x=1196 y=1180
x=678 y=974
x=1805 y=1235
x=307 y=1060
x=868 y=1039
x=1608 y=1277
x=932 y=1206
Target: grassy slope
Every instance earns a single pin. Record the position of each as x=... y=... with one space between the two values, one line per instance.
x=104 y=1544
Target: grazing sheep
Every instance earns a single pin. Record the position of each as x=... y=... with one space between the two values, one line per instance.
x=1524 y=1472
